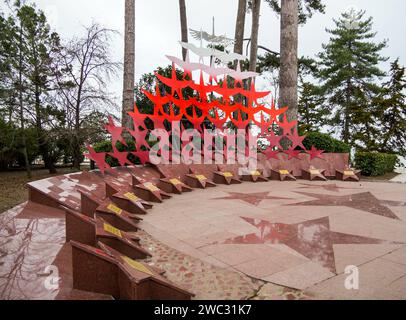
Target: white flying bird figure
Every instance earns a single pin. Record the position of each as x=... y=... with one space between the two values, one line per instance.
x=200 y=51
x=242 y=75
x=224 y=57
x=228 y=57
x=190 y=66
x=185 y=65
x=212 y=38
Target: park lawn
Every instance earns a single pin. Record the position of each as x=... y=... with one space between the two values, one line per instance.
x=13 y=190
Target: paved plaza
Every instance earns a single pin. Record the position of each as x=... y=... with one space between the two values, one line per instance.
x=268 y=240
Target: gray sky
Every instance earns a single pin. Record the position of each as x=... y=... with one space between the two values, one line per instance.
x=158 y=25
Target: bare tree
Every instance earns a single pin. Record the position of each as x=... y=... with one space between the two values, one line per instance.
x=288 y=78
x=256 y=9
x=82 y=81
x=240 y=27
x=129 y=62
x=183 y=25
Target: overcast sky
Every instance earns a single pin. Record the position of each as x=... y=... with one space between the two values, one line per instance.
x=158 y=25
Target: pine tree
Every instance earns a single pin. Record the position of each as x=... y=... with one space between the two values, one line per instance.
x=39 y=46
x=312 y=115
x=348 y=71
x=392 y=111
x=306 y=8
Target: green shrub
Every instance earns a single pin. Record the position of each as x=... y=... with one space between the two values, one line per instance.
x=324 y=142
x=374 y=163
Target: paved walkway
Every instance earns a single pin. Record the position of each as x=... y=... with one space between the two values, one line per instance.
x=402 y=170
x=271 y=240
x=400 y=178
x=299 y=235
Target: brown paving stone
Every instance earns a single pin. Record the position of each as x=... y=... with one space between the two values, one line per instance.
x=365 y=201
x=313 y=239
x=259 y=268
x=251 y=198
x=374 y=277
x=398 y=256
x=329 y=187
x=301 y=276
x=359 y=254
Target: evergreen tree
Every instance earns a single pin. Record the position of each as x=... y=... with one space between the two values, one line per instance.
x=392 y=112
x=312 y=114
x=39 y=46
x=348 y=71
x=306 y=8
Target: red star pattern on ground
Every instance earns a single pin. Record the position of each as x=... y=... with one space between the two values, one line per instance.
x=312 y=239
x=364 y=201
x=329 y=187
x=251 y=198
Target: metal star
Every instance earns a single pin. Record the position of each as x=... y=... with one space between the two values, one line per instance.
x=313 y=174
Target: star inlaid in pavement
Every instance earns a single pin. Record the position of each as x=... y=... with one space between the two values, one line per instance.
x=251 y=198
x=312 y=239
x=364 y=201
x=329 y=187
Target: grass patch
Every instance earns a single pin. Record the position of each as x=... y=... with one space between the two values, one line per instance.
x=13 y=189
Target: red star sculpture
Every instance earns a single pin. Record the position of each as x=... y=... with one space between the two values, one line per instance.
x=140 y=138
x=297 y=141
x=98 y=157
x=115 y=132
x=143 y=156
x=138 y=118
x=274 y=140
x=120 y=156
x=314 y=153
x=292 y=153
x=273 y=112
x=175 y=84
x=287 y=126
x=271 y=154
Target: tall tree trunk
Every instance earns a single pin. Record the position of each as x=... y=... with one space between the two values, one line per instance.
x=43 y=144
x=77 y=143
x=256 y=9
x=22 y=120
x=239 y=39
x=288 y=92
x=183 y=25
x=347 y=117
x=129 y=62
x=240 y=27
